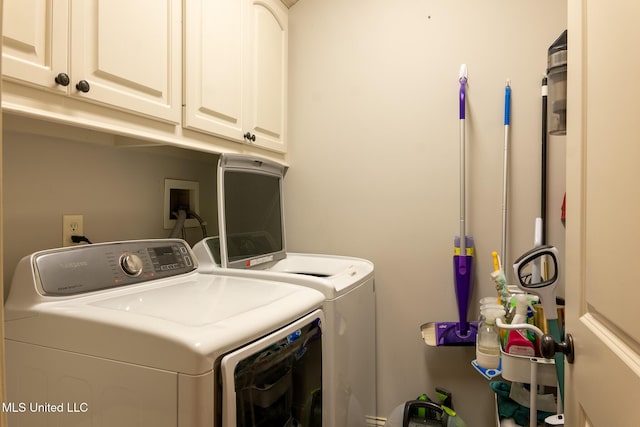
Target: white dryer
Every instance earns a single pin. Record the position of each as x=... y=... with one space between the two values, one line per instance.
x=252 y=244
x=131 y=334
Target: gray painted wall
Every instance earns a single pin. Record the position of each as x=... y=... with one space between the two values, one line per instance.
x=374 y=137
x=118 y=190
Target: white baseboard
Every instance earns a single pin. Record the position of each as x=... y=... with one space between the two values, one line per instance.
x=375 y=421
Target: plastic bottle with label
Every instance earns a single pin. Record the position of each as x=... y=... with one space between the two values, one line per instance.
x=488 y=341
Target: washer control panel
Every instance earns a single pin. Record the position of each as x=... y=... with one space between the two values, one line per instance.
x=80 y=269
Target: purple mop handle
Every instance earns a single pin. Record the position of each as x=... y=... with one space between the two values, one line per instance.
x=463 y=83
x=462 y=266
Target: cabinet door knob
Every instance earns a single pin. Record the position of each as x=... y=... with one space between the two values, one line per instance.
x=62 y=79
x=83 y=86
x=250 y=137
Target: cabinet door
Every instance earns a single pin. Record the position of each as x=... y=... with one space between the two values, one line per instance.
x=214 y=67
x=34 y=41
x=129 y=53
x=267 y=84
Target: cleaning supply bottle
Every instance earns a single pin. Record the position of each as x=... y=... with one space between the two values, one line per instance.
x=518 y=344
x=518 y=341
x=488 y=340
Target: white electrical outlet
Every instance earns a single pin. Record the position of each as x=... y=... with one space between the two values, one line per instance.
x=71 y=226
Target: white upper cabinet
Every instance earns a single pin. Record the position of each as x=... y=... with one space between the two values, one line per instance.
x=199 y=74
x=34 y=41
x=214 y=63
x=236 y=70
x=268 y=41
x=130 y=54
x=114 y=52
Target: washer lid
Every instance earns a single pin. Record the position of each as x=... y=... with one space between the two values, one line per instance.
x=341 y=274
x=332 y=275
x=250 y=210
x=178 y=324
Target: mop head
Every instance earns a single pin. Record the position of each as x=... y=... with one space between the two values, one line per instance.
x=450 y=334
x=461 y=333
x=436 y=334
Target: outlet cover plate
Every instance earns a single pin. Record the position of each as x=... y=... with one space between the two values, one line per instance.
x=72 y=225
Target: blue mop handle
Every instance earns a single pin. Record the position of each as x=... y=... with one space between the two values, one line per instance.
x=505 y=169
x=507 y=104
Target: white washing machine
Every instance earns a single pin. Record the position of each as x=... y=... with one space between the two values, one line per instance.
x=131 y=334
x=252 y=244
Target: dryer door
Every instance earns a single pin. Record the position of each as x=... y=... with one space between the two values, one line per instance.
x=277 y=379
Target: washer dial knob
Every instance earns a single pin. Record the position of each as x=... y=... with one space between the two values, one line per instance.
x=131 y=264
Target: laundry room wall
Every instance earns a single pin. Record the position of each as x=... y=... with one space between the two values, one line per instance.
x=51 y=170
x=374 y=155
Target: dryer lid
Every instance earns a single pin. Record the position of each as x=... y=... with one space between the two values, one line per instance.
x=181 y=323
x=176 y=325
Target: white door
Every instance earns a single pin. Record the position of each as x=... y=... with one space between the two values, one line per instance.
x=3 y=417
x=130 y=54
x=34 y=41
x=603 y=213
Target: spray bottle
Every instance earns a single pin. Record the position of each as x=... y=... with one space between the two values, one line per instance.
x=518 y=342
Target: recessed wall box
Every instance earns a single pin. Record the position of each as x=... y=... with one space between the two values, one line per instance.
x=180 y=194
